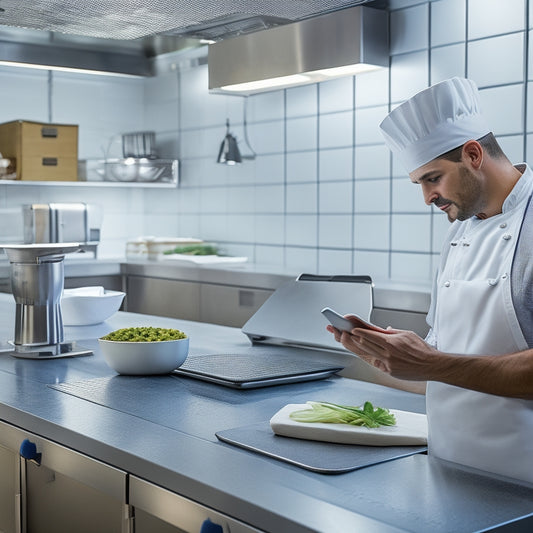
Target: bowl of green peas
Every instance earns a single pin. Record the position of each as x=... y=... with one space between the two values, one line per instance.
x=144 y=350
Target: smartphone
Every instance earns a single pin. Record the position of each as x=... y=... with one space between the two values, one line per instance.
x=343 y=324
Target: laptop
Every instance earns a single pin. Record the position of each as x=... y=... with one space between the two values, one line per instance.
x=250 y=371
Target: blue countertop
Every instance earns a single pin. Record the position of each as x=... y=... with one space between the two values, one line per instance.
x=168 y=438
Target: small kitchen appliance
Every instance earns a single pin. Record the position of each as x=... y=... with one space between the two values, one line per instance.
x=37 y=278
x=63 y=223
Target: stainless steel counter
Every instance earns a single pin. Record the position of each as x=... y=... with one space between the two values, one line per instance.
x=387 y=294
x=172 y=444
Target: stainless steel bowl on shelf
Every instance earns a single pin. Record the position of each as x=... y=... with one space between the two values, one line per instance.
x=131 y=169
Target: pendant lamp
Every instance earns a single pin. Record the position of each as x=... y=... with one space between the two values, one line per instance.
x=229 y=153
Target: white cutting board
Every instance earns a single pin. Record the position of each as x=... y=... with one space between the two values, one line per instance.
x=410 y=428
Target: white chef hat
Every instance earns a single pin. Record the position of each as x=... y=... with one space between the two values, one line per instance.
x=434 y=121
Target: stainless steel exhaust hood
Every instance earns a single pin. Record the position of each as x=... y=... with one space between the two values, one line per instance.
x=123 y=36
x=341 y=43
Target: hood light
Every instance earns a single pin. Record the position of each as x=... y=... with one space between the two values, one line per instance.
x=300 y=79
x=282 y=81
x=66 y=69
x=348 y=70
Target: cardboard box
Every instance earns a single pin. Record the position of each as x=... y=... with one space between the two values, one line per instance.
x=41 y=151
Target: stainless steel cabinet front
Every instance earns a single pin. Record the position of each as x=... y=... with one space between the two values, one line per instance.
x=226 y=305
x=59 y=490
x=163 y=297
x=230 y=306
x=158 y=510
x=9 y=489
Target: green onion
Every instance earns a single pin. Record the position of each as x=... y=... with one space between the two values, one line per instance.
x=332 y=413
x=193 y=249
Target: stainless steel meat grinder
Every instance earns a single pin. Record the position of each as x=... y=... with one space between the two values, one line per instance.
x=37 y=279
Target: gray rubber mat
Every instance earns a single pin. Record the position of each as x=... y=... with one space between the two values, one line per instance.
x=322 y=457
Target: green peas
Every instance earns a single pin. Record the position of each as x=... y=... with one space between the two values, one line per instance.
x=144 y=334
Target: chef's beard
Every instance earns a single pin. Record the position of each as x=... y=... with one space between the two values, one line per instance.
x=470 y=200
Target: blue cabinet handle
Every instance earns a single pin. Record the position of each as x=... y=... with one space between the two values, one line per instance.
x=28 y=450
x=211 y=527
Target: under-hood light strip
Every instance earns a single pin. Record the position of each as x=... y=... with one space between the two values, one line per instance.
x=66 y=69
x=294 y=79
x=299 y=79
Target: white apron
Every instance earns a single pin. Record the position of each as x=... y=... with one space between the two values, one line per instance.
x=474 y=315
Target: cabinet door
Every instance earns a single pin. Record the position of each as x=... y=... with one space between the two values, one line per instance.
x=163 y=297
x=72 y=493
x=228 y=305
x=9 y=490
x=111 y=283
x=401 y=320
x=158 y=510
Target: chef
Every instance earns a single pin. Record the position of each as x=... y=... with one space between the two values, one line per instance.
x=478 y=355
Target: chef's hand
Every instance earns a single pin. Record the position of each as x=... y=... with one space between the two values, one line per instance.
x=400 y=353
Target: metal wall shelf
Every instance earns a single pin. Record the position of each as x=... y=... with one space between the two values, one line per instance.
x=96 y=170
x=136 y=184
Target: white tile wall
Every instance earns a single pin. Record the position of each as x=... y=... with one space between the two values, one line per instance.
x=336 y=164
x=302 y=198
x=448 y=22
x=334 y=261
x=372 y=162
x=506 y=53
x=336 y=95
x=301 y=166
x=372 y=231
x=374 y=263
x=493 y=17
x=372 y=196
x=408 y=75
x=335 y=197
x=411 y=233
x=302 y=101
x=336 y=129
x=409 y=29
x=372 y=88
x=447 y=62
x=335 y=231
x=302 y=134
x=323 y=193
x=508 y=118
x=301 y=230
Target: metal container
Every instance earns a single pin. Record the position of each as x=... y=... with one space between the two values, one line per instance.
x=139 y=145
x=63 y=222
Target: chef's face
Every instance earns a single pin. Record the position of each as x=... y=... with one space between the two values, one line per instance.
x=452 y=187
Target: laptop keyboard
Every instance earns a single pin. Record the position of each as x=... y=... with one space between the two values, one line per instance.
x=248 y=367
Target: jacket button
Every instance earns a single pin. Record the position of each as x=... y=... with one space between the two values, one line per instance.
x=507 y=236
x=492 y=282
x=503 y=225
x=504 y=276
x=447 y=283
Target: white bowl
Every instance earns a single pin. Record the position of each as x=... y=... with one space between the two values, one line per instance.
x=79 y=308
x=144 y=358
